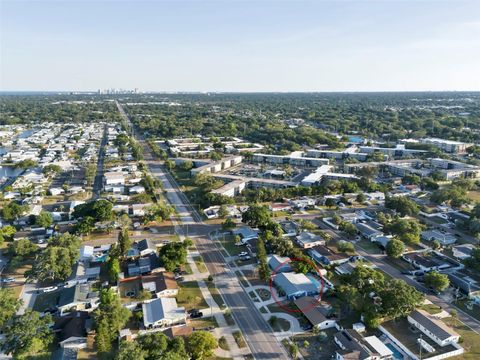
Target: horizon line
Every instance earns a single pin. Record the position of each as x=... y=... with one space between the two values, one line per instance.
x=167 y=92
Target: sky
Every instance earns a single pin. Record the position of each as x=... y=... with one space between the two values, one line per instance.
x=229 y=45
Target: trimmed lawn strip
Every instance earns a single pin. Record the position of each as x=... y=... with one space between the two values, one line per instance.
x=229 y=318
x=222 y=343
x=200 y=264
x=215 y=294
x=237 y=335
x=432 y=309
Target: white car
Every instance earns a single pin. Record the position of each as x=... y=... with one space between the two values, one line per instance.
x=8 y=280
x=243 y=253
x=50 y=289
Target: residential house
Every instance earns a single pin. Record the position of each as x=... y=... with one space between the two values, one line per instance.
x=436 y=235
x=303 y=203
x=307 y=240
x=323 y=255
x=143 y=265
x=114 y=178
x=162 y=312
x=348 y=267
x=160 y=284
x=295 y=285
x=382 y=240
x=290 y=228
x=180 y=330
x=76 y=298
x=429 y=261
x=462 y=252
x=435 y=329
x=71 y=330
x=354 y=346
x=279 y=263
x=139 y=209
x=246 y=234
x=136 y=190
x=466 y=285
x=274 y=207
x=146 y=247
x=314 y=313
x=368 y=231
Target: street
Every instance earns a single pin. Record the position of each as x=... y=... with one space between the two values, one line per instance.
x=258 y=334
x=98 y=182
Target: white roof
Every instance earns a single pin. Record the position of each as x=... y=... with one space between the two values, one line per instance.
x=159 y=309
x=86 y=251
x=379 y=347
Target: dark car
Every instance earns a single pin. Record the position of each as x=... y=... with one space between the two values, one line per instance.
x=195 y=315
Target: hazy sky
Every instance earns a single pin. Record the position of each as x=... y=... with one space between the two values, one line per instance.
x=229 y=45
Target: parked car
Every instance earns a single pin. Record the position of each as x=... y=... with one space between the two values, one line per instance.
x=243 y=253
x=245 y=258
x=196 y=315
x=8 y=280
x=50 y=289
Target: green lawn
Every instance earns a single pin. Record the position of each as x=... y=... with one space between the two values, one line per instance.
x=237 y=335
x=215 y=294
x=229 y=318
x=289 y=305
x=264 y=294
x=400 y=264
x=190 y=296
x=203 y=323
x=431 y=308
x=474 y=195
x=370 y=247
x=222 y=343
x=200 y=264
x=228 y=243
x=279 y=324
x=187 y=269
x=470 y=340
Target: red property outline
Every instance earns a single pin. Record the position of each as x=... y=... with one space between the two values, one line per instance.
x=320 y=290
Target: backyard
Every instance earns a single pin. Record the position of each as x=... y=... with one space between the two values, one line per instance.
x=316 y=347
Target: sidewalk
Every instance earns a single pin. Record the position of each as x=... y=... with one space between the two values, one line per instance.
x=224 y=329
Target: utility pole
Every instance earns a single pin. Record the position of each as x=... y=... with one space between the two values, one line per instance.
x=420 y=342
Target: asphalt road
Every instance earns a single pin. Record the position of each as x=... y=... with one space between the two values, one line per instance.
x=98 y=181
x=258 y=334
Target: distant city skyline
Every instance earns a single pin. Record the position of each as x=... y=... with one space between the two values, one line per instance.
x=240 y=46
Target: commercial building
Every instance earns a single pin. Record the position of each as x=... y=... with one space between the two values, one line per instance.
x=449 y=146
